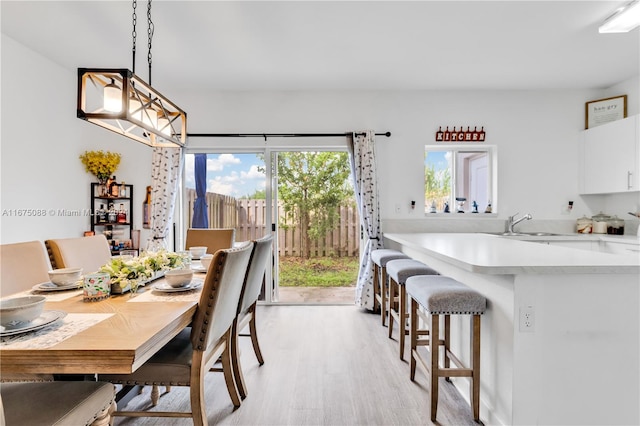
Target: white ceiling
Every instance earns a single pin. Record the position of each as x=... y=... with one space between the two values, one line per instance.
x=369 y=45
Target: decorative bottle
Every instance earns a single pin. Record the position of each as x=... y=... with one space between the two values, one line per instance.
x=112 y=216
x=114 y=189
x=146 y=210
x=122 y=214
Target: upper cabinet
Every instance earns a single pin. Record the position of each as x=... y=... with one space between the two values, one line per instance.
x=609 y=156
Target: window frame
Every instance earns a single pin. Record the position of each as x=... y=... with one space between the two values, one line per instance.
x=492 y=166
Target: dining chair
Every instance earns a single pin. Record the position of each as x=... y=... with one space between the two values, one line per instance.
x=69 y=403
x=186 y=359
x=247 y=309
x=213 y=239
x=22 y=265
x=88 y=253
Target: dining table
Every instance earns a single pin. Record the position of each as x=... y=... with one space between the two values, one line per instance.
x=115 y=335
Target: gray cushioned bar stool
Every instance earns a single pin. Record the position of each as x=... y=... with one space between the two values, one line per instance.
x=439 y=295
x=57 y=403
x=398 y=271
x=380 y=258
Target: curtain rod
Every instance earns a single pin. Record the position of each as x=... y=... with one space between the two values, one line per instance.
x=277 y=135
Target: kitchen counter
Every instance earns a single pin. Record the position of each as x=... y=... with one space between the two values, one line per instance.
x=586 y=327
x=493 y=254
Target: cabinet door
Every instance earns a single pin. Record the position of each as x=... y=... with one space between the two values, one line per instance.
x=610 y=158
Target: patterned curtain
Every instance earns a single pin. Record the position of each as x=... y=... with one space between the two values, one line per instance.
x=363 y=169
x=166 y=165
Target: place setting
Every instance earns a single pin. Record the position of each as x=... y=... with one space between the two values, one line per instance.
x=177 y=281
x=25 y=314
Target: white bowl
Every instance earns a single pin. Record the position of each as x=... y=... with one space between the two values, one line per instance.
x=21 y=309
x=197 y=252
x=206 y=261
x=65 y=276
x=178 y=277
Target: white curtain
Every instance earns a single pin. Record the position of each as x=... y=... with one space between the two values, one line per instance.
x=166 y=165
x=363 y=169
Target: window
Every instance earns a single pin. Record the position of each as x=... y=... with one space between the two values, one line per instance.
x=460 y=177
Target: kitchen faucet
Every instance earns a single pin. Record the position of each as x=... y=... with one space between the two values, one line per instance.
x=511 y=222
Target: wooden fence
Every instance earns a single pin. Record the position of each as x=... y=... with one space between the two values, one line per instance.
x=248 y=218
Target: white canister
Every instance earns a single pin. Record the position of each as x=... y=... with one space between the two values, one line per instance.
x=600 y=223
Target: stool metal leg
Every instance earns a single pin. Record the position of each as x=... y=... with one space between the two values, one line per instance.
x=383 y=296
x=376 y=287
x=475 y=367
x=413 y=335
x=402 y=318
x=434 y=373
x=392 y=296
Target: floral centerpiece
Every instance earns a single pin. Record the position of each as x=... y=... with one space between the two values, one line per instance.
x=131 y=272
x=101 y=164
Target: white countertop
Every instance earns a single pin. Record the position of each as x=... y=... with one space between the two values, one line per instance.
x=492 y=254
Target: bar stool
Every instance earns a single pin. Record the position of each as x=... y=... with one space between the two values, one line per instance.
x=380 y=258
x=439 y=295
x=398 y=271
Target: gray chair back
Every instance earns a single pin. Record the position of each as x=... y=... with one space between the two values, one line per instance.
x=220 y=296
x=257 y=267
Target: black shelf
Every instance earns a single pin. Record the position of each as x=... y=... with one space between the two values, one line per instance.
x=127 y=227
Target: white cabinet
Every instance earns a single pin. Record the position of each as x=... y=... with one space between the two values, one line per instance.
x=609 y=157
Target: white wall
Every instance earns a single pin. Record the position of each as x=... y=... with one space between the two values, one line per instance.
x=536 y=133
x=41 y=142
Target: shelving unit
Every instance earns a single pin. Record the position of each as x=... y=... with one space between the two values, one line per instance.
x=111 y=229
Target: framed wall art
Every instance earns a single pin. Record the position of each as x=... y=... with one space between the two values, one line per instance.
x=602 y=111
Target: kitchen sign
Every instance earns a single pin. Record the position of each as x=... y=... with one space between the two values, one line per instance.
x=602 y=111
x=461 y=135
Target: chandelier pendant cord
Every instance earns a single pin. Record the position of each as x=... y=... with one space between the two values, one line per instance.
x=134 y=19
x=150 y=29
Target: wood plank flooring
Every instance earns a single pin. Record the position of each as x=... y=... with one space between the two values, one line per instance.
x=324 y=365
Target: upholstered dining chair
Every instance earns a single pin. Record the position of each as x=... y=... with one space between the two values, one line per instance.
x=57 y=403
x=88 y=253
x=22 y=265
x=187 y=358
x=260 y=259
x=213 y=239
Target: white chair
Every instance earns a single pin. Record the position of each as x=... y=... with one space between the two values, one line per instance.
x=57 y=403
x=22 y=265
x=88 y=253
x=186 y=359
x=260 y=259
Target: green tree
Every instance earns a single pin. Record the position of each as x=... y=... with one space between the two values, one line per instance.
x=311 y=186
x=437 y=186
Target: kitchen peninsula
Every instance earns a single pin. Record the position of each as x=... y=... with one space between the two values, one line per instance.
x=579 y=361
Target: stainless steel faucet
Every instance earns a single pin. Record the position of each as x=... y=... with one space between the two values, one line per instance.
x=511 y=222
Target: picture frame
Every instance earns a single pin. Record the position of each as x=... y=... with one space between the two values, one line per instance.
x=602 y=111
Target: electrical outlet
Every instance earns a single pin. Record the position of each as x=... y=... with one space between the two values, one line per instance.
x=527 y=319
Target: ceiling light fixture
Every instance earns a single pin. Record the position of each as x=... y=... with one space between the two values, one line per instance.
x=623 y=20
x=120 y=101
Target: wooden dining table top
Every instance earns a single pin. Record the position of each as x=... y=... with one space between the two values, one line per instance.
x=130 y=333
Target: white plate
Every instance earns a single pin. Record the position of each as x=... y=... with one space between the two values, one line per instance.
x=198 y=268
x=47 y=317
x=166 y=288
x=49 y=286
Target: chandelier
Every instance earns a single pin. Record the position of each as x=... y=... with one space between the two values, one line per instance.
x=120 y=101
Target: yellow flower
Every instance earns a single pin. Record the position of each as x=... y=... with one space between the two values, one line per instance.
x=101 y=164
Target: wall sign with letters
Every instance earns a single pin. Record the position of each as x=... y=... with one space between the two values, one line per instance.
x=460 y=135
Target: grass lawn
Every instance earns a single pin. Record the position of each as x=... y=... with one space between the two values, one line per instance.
x=318 y=272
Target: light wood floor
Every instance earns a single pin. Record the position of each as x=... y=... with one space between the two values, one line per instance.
x=324 y=365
